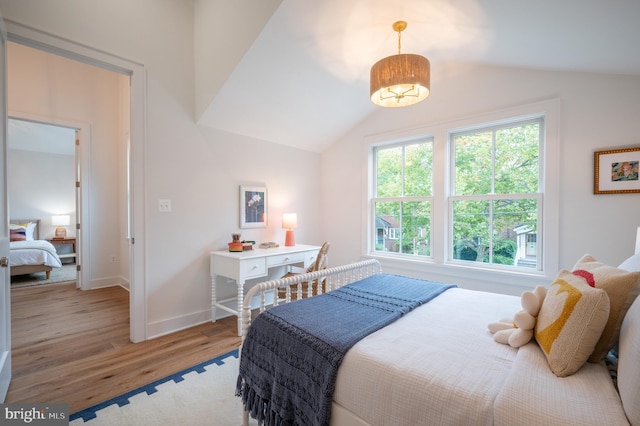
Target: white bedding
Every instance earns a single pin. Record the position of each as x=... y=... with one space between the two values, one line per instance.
x=534 y=397
x=37 y=252
x=432 y=367
x=445 y=369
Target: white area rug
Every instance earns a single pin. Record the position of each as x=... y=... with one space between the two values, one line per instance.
x=201 y=395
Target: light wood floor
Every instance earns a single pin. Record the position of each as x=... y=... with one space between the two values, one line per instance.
x=72 y=346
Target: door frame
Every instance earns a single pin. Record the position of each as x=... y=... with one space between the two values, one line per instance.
x=83 y=246
x=5 y=282
x=37 y=39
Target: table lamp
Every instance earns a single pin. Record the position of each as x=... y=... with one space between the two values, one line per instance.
x=60 y=221
x=289 y=222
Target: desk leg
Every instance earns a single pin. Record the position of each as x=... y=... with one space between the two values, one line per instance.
x=214 y=299
x=240 y=303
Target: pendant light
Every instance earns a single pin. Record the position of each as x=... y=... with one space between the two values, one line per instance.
x=400 y=80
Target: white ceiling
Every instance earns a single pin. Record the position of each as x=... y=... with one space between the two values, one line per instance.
x=305 y=80
x=32 y=136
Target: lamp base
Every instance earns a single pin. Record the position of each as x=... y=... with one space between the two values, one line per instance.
x=61 y=233
x=290 y=239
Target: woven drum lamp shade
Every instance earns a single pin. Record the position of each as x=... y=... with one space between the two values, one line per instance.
x=400 y=80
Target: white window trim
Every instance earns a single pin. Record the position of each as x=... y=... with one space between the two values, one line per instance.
x=437 y=266
x=371 y=232
x=519 y=121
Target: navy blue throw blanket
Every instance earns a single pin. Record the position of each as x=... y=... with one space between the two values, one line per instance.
x=291 y=354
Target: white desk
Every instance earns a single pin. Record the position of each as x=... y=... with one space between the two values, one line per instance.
x=249 y=264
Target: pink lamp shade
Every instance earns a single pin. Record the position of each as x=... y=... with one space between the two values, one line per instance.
x=289 y=222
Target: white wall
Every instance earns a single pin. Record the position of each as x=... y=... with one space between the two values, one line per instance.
x=39 y=184
x=197 y=168
x=200 y=169
x=597 y=112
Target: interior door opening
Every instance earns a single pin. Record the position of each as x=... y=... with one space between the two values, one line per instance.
x=48 y=154
x=131 y=117
x=72 y=158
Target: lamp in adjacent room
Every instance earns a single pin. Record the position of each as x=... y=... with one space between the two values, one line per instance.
x=289 y=222
x=400 y=80
x=60 y=221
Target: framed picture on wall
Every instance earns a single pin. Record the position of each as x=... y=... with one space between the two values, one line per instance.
x=616 y=171
x=253 y=207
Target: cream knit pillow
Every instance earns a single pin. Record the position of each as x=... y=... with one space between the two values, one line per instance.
x=570 y=322
x=621 y=287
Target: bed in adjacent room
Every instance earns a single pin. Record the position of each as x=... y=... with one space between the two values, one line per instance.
x=29 y=254
x=437 y=362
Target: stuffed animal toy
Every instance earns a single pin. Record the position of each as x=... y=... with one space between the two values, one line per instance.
x=518 y=331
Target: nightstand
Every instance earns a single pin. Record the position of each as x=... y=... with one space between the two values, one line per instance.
x=65 y=241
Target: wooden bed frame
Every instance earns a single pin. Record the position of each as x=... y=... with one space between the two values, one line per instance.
x=30 y=269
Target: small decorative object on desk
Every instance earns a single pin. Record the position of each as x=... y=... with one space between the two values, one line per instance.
x=270 y=244
x=247 y=245
x=235 y=245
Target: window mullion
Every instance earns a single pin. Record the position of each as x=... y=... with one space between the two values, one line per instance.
x=402 y=169
x=493 y=162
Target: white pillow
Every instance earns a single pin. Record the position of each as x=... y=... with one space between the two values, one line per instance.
x=632 y=263
x=628 y=361
x=30 y=228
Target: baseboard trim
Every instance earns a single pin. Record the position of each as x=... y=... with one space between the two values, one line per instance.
x=171 y=325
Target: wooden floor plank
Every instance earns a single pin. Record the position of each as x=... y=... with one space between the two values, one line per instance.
x=72 y=346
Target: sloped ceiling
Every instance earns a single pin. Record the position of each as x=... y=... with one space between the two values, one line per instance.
x=304 y=82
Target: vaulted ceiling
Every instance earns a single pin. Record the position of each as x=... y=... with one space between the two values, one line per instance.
x=296 y=72
x=304 y=81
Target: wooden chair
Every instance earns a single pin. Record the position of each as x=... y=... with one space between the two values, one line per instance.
x=321 y=263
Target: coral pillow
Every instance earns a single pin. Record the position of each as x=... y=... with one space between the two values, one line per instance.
x=570 y=322
x=620 y=286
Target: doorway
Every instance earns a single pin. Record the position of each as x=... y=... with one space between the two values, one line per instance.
x=135 y=84
x=59 y=87
x=44 y=164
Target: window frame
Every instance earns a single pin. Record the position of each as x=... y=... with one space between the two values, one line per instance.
x=438 y=266
x=400 y=199
x=538 y=195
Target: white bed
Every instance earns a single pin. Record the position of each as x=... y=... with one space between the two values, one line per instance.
x=446 y=369
x=31 y=255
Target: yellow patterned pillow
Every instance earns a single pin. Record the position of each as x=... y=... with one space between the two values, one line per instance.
x=621 y=288
x=570 y=322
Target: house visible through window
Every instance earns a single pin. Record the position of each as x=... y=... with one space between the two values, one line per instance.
x=490 y=191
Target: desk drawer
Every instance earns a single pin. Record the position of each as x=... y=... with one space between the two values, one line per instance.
x=285 y=259
x=253 y=268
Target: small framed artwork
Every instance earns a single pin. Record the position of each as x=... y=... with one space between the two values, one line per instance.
x=616 y=171
x=253 y=207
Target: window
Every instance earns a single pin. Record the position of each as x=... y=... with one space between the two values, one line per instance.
x=403 y=198
x=479 y=192
x=495 y=201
